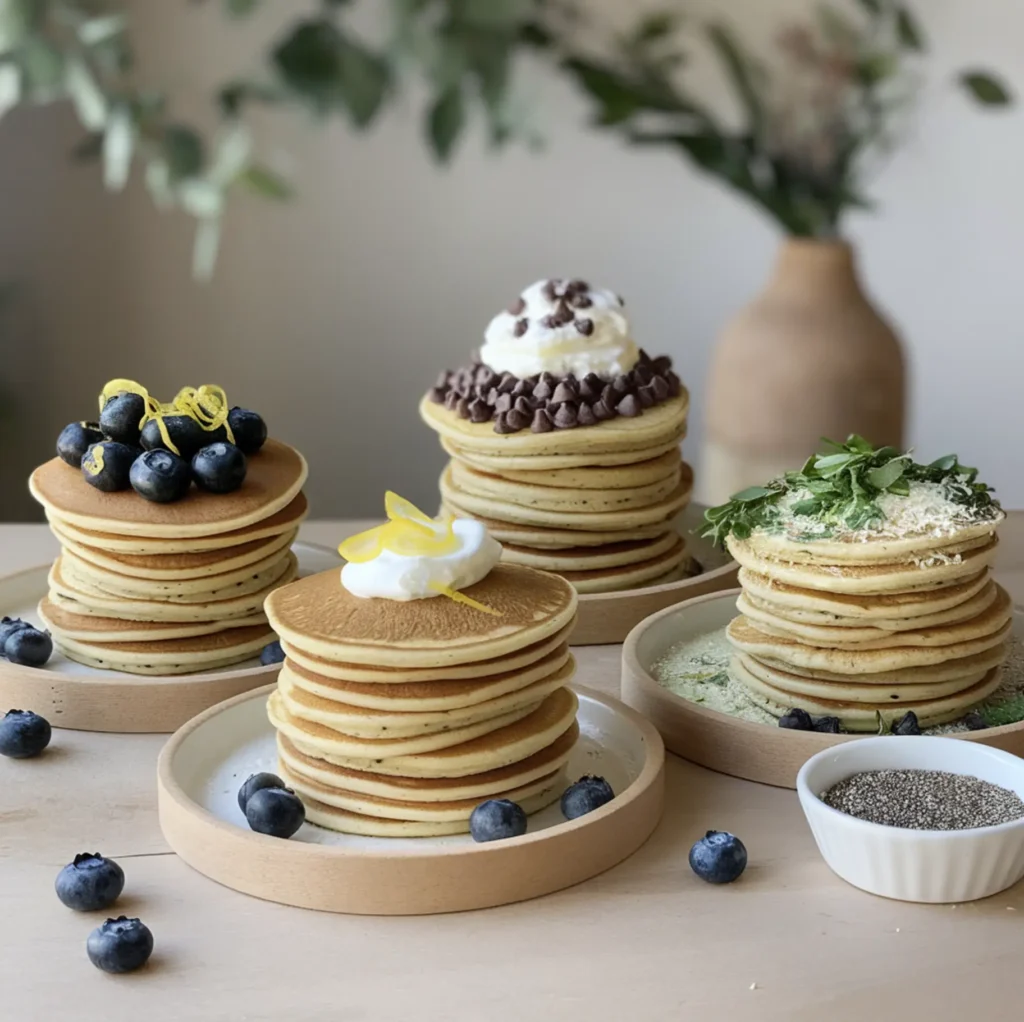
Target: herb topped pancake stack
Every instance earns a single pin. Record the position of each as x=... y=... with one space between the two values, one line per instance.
x=423 y=680
x=866 y=589
x=168 y=552
x=564 y=439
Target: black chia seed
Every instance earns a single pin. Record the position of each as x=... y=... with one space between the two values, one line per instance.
x=924 y=800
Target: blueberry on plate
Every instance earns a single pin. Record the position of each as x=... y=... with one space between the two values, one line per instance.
x=796 y=720
x=826 y=725
x=185 y=433
x=8 y=625
x=28 y=647
x=272 y=653
x=253 y=783
x=120 y=945
x=278 y=812
x=108 y=464
x=219 y=468
x=718 y=857
x=497 y=819
x=586 y=795
x=75 y=439
x=23 y=734
x=121 y=416
x=249 y=429
x=907 y=724
x=974 y=721
x=90 y=883
x=160 y=476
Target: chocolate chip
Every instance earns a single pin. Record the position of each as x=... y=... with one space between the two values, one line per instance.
x=542 y=391
x=522 y=325
x=643 y=375
x=451 y=400
x=521 y=388
x=478 y=411
x=629 y=406
x=580 y=301
x=565 y=391
x=603 y=411
x=517 y=420
x=585 y=326
x=621 y=384
x=485 y=377
x=585 y=416
x=591 y=387
x=480 y=392
x=646 y=396
x=541 y=422
x=659 y=388
x=518 y=306
x=565 y=417
x=507 y=384
x=643 y=358
x=662 y=364
x=524 y=407
x=577 y=285
x=463 y=409
x=550 y=289
x=548 y=322
x=503 y=404
x=492 y=396
x=562 y=316
x=501 y=425
x=549 y=378
x=622 y=301
x=437 y=395
x=609 y=396
x=675 y=385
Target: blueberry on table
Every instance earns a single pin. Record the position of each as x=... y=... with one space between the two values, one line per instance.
x=90 y=883
x=160 y=476
x=121 y=417
x=120 y=945
x=107 y=465
x=219 y=468
x=497 y=819
x=586 y=795
x=249 y=429
x=28 y=647
x=272 y=653
x=796 y=720
x=253 y=783
x=185 y=433
x=75 y=439
x=718 y=857
x=23 y=734
x=907 y=724
x=8 y=625
x=278 y=812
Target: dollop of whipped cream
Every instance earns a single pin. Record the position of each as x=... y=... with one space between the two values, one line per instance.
x=421 y=575
x=560 y=327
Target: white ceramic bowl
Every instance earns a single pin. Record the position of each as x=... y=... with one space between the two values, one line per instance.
x=915 y=865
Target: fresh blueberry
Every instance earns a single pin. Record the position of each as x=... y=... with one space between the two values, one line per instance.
x=160 y=476
x=796 y=720
x=186 y=434
x=907 y=724
x=271 y=653
x=826 y=725
x=28 y=646
x=718 y=858
x=121 y=416
x=249 y=428
x=90 y=883
x=23 y=734
x=75 y=439
x=253 y=784
x=278 y=812
x=120 y=945
x=219 y=468
x=8 y=625
x=586 y=795
x=974 y=721
x=497 y=819
x=107 y=465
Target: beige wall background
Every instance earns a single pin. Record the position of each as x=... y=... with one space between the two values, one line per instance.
x=333 y=313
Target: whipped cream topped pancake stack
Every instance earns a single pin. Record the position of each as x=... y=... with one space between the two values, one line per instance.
x=425 y=679
x=168 y=552
x=867 y=589
x=564 y=439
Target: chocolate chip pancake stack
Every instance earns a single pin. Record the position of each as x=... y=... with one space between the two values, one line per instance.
x=866 y=621
x=564 y=438
x=396 y=717
x=169 y=588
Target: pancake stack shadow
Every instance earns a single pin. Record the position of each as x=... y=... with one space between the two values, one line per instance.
x=866 y=631
x=397 y=719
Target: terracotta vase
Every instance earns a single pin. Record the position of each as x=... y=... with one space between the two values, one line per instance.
x=809 y=357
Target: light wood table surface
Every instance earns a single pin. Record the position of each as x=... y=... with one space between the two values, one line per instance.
x=645 y=941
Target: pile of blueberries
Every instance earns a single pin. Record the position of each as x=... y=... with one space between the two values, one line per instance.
x=24 y=644
x=115 y=453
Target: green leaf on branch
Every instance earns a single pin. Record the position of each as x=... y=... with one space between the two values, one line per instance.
x=265 y=182
x=118 y=144
x=10 y=87
x=871 y=6
x=738 y=66
x=909 y=32
x=494 y=14
x=86 y=95
x=985 y=88
x=183 y=151
x=43 y=67
x=363 y=80
x=656 y=25
x=877 y=67
x=99 y=30
x=308 y=63
x=445 y=122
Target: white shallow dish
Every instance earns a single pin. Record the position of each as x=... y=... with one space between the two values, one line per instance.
x=203 y=765
x=915 y=865
x=73 y=695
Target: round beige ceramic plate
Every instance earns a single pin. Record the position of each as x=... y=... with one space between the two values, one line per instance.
x=203 y=765
x=758 y=752
x=72 y=695
x=606 y=618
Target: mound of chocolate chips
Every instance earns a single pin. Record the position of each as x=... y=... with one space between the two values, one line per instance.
x=546 y=402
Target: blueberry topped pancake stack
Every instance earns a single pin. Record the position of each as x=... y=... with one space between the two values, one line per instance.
x=866 y=589
x=175 y=522
x=564 y=439
x=423 y=680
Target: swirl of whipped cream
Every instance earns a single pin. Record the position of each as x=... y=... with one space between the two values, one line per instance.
x=394 y=576
x=560 y=327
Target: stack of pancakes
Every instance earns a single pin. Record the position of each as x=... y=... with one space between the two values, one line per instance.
x=594 y=504
x=396 y=719
x=869 y=628
x=175 y=588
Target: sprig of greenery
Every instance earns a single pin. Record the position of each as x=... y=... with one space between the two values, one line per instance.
x=843 y=487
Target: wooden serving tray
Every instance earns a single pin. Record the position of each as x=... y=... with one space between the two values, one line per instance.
x=740 y=748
